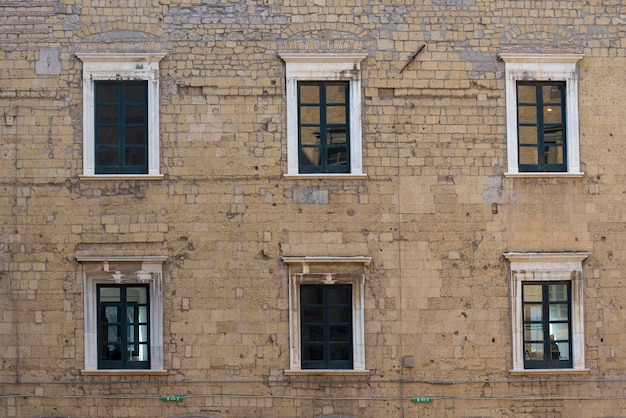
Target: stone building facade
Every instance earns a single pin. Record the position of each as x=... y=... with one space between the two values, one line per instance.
x=312 y=208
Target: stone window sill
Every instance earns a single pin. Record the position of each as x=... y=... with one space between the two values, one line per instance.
x=123 y=372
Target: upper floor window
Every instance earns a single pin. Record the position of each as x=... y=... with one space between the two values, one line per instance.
x=542 y=114
x=324 y=114
x=120 y=113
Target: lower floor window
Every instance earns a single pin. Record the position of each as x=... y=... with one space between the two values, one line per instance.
x=123 y=326
x=547 y=331
x=547 y=310
x=326 y=324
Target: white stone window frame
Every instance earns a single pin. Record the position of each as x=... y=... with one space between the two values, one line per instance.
x=542 y=67
x=151 y=273
x=299 y=274
x=546 y=267
x=324 y=67
x=120 y=66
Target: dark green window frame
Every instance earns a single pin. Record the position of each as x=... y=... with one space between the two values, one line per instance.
x=547 y=324
x=121 y=127
x=541 y=126
x=324 y=126
x=123 y=327
x=326 y=326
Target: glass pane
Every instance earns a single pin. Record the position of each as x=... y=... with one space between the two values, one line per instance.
x=558 y=292
x=559 y=312
x=336 y=115
x=313 y=352
x=312 y=333
x=143 y=314
x=143 y=352
x=309 y=135
x=309 y=94
x=527 y=134
x=555 y=351
x=563 y=350
x=552 y=114
x=527 y=114
x=110 y=294
x=339 y=295
x=107 y=93
x=533 y=332
x=533 y=351
x=135 y=93
x=311 y=295
x=339 y=334
x=340 y=352
x=110 y=313
x=554 y=155
x=533 y=313
x=553 y=135
x=551 y=93
x=528 y=155
x=143 y=334
x=337 y=156
x=336 y=94
x=310 y=156
x=526 y=94
x=137 y=294
x=107 y=135
x=108 y=156
x=107 y=115
x=559 y=331
x=310 y=115
x=135 y=115
x=341 y=314
x=135 y=156
x=310 y=314
x=135 y=135
x=533 y=293
x=336 y=136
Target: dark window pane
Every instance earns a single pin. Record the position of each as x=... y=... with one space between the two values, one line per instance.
x=135 y=135
x=313 y=352
x=107 y=135
x=311 y=294
x=135 y=115
x=135 y=156
x=340 y=334
x=313 y=314
x=107 y=115
x=336 y=136
x=107 y=93
x=108 y=156
x=342 y=314
x=135 y=93
x=339 y=295
x=340 y=352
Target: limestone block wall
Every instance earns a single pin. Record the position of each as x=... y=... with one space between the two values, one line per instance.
x=435 y=211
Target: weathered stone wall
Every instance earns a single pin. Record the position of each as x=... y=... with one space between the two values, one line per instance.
x=435 y=212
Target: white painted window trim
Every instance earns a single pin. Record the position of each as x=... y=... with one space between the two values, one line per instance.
x=120 y=66
x=542 y=267
x=323 y=67
x=542 y=67
x=151 y=273
x=300 y=273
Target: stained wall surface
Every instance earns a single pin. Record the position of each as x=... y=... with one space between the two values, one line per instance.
x=435 y=211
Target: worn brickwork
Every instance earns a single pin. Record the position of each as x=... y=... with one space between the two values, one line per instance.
x=435 y=211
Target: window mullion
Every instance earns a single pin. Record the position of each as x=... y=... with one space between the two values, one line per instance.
x=323 y=127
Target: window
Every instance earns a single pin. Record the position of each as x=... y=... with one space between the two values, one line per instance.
x=326 y=314
x=323 y=127
x=542 y=114
x=324 y=114
x=123 y=326
x=326 y=326
x=121 y=127
x=120 y=114
x=547 y=331
x=123 y=313
x=547 y=310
